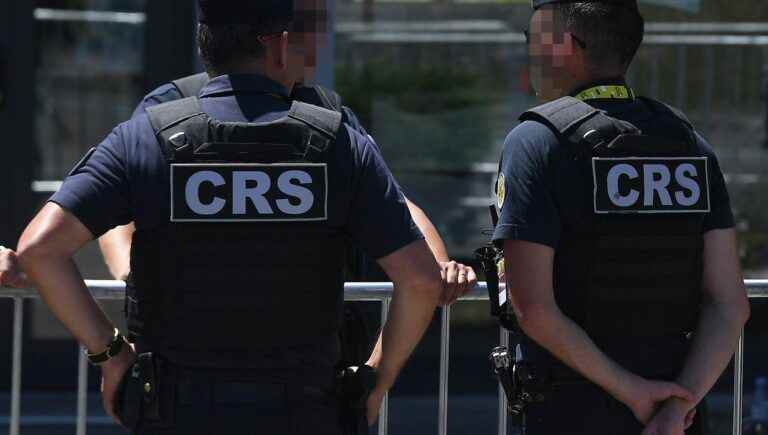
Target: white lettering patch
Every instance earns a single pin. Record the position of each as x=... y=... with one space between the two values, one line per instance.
x=651 y=185
x=249 y=192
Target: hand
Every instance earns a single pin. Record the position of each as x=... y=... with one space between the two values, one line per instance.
x=674 y=417
x=10 y=271
x=373 y=405
x=646 y=396
x=458 y=280
x=112 y=373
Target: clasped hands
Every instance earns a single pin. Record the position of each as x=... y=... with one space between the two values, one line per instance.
x=665 y=408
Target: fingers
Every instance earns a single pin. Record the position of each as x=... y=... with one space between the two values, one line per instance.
x=471 y=280
x=108 y=400
x=10 y=272
x=373 y=406
x=458 y=280
x=373 y=415
x=680 y=392
x=451 y=286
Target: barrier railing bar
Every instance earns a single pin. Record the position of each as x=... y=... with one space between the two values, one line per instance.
x=381 y=292
x=503 y=341
x=738 y=385
x=82 y=392
x=445 y=337
x=384 y=412
x=18 y=324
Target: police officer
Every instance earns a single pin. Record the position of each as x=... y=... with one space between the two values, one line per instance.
x=242 y=201
x=308 y=30
x=618 y=237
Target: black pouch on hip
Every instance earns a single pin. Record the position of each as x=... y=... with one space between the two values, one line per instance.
x=129 y=403
x=147 y=394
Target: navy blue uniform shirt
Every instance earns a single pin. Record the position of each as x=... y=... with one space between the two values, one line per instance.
x=544 y=193
x=125 y=179
x=169 y=92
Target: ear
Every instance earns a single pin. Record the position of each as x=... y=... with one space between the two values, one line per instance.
x=579 y=60
x=562 y=51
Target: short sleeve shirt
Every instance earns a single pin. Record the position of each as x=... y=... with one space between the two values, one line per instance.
x=118 y=182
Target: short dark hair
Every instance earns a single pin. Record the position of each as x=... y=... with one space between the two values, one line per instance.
x=221 y=44
x=611 y=32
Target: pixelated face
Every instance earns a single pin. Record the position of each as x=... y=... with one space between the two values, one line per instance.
x=307 y=33
x=551 y=52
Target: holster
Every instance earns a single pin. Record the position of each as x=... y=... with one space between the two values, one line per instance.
x=353 y=387
x=521 y=381
x=146 y=395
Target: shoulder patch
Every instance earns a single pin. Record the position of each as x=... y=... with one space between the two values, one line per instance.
x=501 y=191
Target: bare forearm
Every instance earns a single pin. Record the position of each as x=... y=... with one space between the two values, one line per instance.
x=435 y=242
x=116 y=249
x=409 y=316
x=713 y=346
x=62 y=289
x=724 y=312
x=571 y=345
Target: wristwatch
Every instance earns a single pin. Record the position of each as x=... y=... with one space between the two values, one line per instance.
x=113 y=349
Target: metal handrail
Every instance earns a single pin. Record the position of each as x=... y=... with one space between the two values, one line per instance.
x=381 y=292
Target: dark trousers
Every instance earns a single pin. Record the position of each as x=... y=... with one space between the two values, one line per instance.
x=220 y=402
x=585 y=409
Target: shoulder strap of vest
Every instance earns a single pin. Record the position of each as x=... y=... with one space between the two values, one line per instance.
x=661 y=107
x=169 y=119
x=331 y=100
x=561 y=115
x=575 y=121
x=191 y=86
x=317 y=95
x=326 y=121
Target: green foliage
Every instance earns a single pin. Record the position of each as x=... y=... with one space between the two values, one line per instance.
x=416 y=89
x=426 y=116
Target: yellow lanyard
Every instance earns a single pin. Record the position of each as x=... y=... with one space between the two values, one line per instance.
x=609 y=92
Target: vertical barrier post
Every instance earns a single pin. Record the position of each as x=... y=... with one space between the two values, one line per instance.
x=738 y=386
x=709 y=87
x=445 y=341
x=384 y=413
x=655 y=73
x=18 y=324
x=682 y=63
x=503 y=341
x=82 y=393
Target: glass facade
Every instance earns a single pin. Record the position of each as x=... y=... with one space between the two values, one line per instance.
x=439 y=84
x=88 y=75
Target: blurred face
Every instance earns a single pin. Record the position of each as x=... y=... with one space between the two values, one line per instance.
x=556 y=59
x=308 y=32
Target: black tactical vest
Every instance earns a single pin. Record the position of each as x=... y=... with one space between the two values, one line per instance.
x=247 y=262
x=630 y=267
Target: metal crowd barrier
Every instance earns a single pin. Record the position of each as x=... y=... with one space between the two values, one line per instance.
x=380 y=292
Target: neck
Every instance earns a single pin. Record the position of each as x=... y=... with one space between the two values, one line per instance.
x=255 y=67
